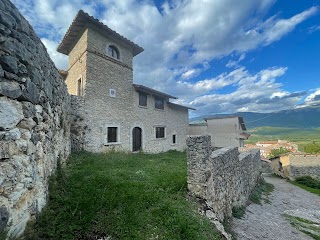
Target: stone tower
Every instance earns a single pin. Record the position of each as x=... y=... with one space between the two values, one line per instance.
x=100 y=74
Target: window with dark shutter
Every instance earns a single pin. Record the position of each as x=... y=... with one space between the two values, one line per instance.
x=143 y=99
x=159 y=132
x=159 y=103
x=174 y=138
x=112 y=134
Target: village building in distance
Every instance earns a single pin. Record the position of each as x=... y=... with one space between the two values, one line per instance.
x=267 y=146
x=110 y=112
x=224 y=131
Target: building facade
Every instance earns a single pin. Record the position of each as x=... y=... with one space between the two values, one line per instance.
x=110 y=112
x=224 y=131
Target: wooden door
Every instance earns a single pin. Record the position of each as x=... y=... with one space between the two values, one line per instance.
x=136 y=139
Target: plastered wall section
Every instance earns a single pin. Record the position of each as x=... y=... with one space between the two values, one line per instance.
x=224 y=178
x=224 y=132
x=198 y=129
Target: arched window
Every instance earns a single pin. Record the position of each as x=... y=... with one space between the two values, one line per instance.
x=113 y=52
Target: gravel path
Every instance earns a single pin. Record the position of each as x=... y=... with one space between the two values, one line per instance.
x=266 y=221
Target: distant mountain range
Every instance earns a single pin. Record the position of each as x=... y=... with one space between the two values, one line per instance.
x=307 y=117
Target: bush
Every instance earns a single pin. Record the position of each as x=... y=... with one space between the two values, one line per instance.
x=238 y=212
x=312 y=148
x=278 y=152
x=309 y=182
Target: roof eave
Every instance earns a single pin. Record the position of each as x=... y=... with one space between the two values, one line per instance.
x=151 y=91
x=80 y=24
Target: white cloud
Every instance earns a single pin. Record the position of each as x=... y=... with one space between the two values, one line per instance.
x=258 y=92
x=60 y=60
x=313 y=98
x=314 y=28
x=180 y=40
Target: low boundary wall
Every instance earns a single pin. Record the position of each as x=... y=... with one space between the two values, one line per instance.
x=224 y=178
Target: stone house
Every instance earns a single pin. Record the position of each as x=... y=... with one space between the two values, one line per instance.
x=224 y=131
x=110 y=112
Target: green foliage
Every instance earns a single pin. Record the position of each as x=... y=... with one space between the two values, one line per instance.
x=239 y=211
x=278 y=152
x=125 y=196
x=309 y=182
x=312 y=148
x=261 y=192
x=297 y=135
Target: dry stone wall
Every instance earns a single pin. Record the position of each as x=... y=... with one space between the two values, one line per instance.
x=224 y=178
x=297 y=165
x=34 y=125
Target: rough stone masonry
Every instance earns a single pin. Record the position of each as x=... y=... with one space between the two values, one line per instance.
x=34 y=125
x=224 y=178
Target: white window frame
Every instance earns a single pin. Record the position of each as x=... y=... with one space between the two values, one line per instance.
x=112 y=93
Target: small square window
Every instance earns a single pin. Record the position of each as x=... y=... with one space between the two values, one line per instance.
x=159 y=132
x=112 y=93
x=112 y=134
x=143 y=99
x=159 y=103
x=174 y=138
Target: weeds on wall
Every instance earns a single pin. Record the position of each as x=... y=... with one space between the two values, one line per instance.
x=261 y=192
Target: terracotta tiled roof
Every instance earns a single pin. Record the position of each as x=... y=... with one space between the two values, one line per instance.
x=80 y=23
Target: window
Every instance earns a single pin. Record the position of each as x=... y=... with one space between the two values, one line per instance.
x=112 y=134
x=113 y=52
x=159 y=132
x=79 y=87
x=174 y=138
x=112 y=93
x=159 y=103
x=143 y=99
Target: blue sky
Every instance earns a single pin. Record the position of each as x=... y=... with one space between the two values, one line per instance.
x=218 y=56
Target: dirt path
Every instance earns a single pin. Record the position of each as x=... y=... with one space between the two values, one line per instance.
x=266 y=221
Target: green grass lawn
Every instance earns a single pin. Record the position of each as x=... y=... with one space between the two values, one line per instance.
x=125 y=196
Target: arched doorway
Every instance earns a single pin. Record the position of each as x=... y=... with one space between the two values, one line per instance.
x=136 y=139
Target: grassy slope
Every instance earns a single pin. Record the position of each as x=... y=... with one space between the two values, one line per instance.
x=126 y=196
x=301 y=136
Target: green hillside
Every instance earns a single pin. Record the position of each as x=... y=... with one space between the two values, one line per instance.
x=297 y=135
x=301 y=118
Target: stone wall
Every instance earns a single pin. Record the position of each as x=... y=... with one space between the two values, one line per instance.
x=34 y=125
x=223 y=178
x=296 y=165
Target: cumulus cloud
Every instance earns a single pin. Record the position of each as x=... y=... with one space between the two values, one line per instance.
x=180 y=43
x=258 y=92
x=313 y=98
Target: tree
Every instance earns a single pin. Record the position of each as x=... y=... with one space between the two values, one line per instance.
x=312 y=148
x=278 y=152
